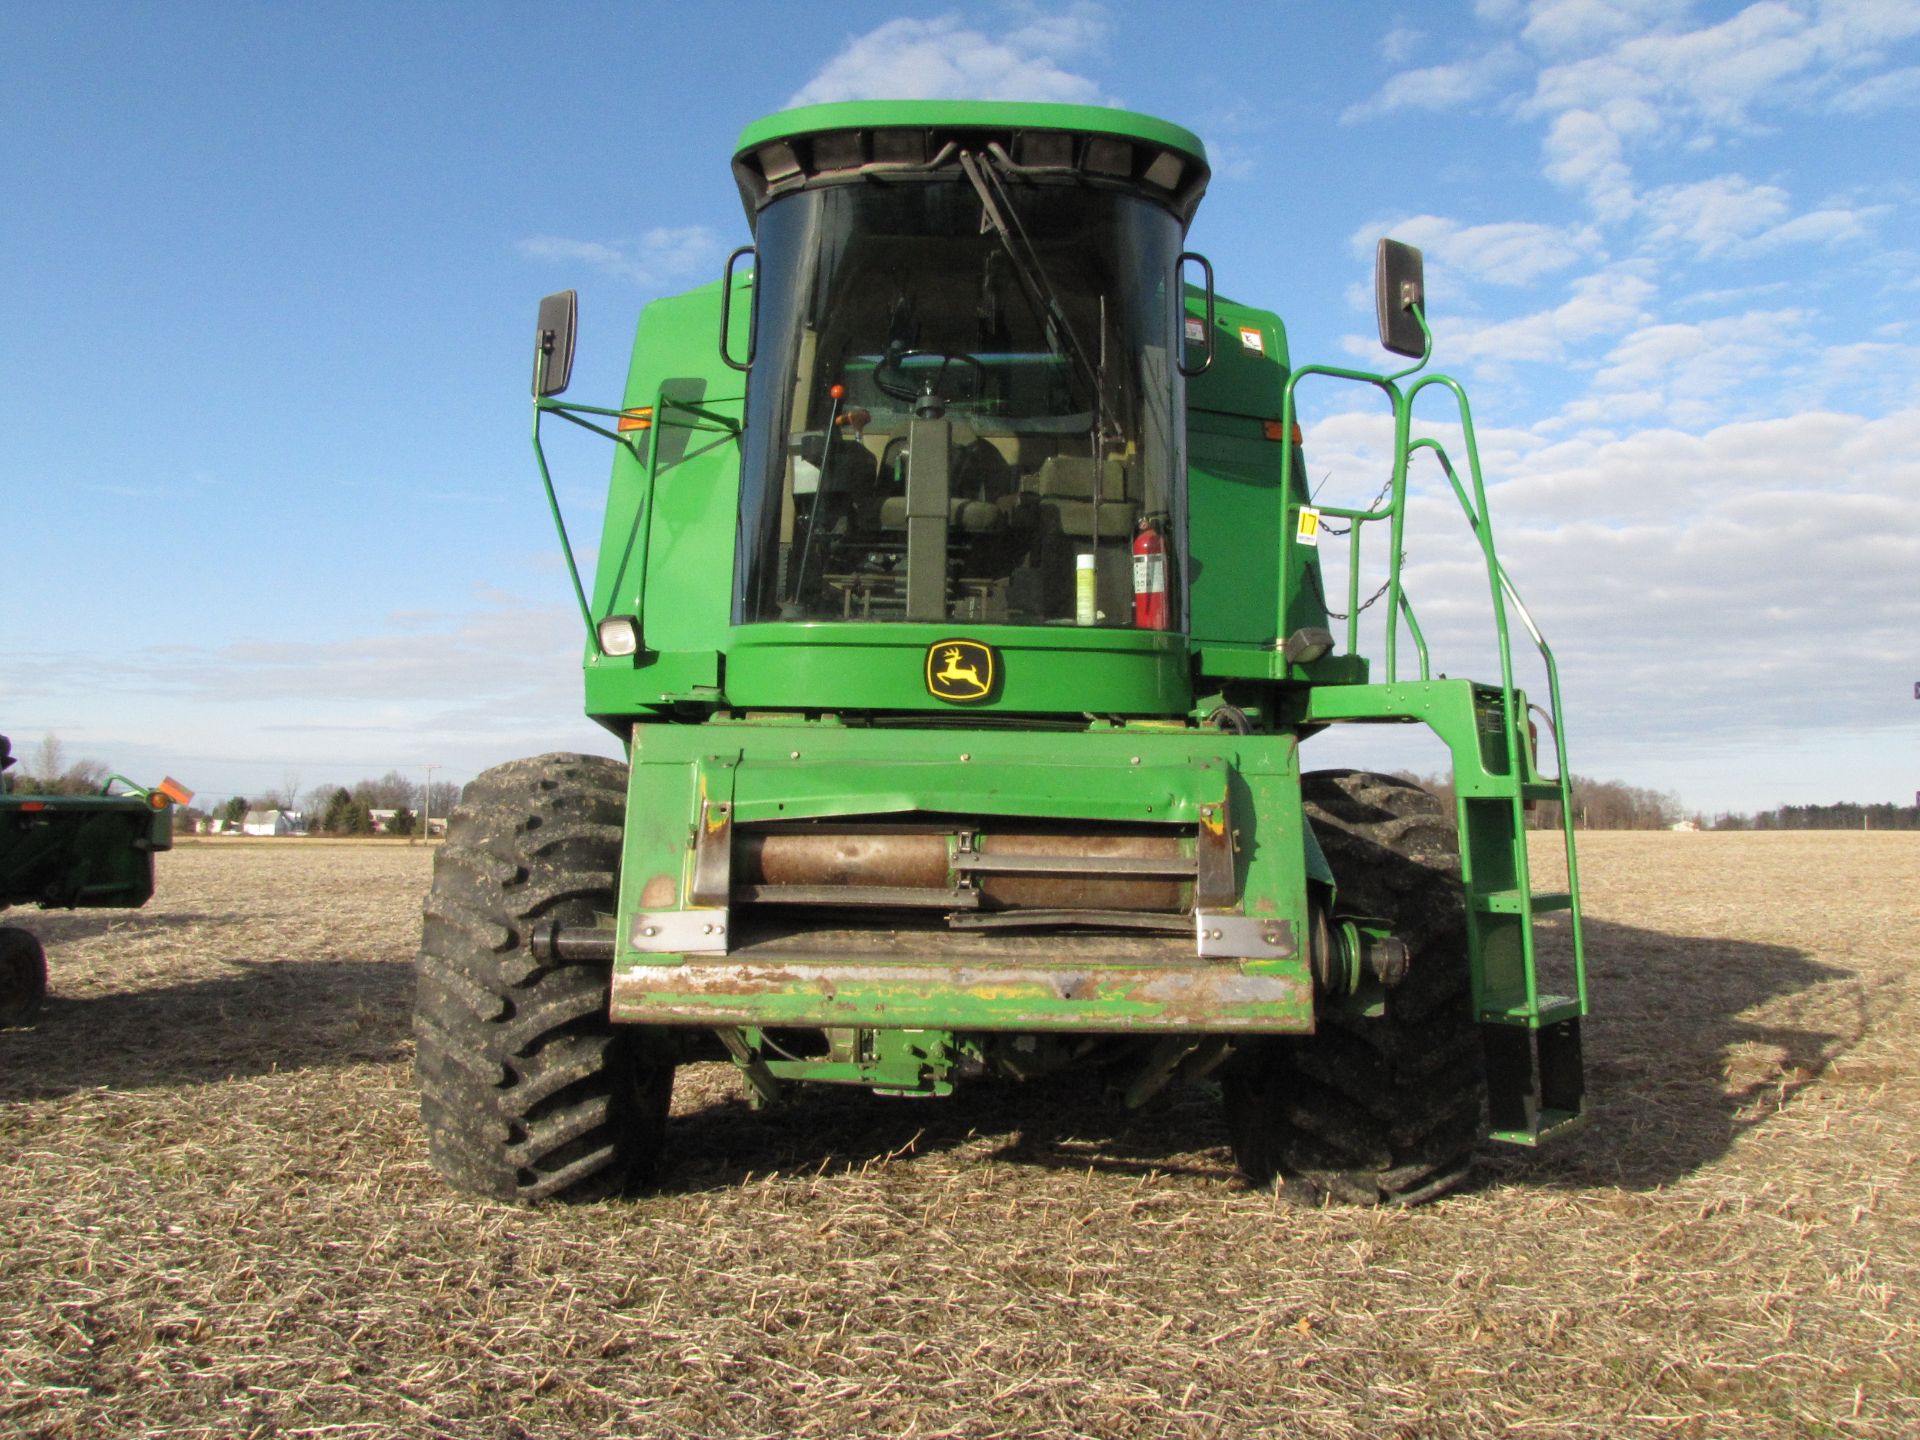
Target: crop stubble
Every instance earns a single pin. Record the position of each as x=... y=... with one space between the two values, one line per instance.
x=218 y=1218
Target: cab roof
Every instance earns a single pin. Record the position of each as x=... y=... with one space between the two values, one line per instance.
x=854 y=140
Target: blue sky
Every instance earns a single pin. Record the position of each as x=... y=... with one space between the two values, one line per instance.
x=271 y=514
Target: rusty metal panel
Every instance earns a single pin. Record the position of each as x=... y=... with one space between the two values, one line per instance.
x=1075 y=886
x=855 y=897
x=865 y=857
x=712 y=854
x=1193 y=995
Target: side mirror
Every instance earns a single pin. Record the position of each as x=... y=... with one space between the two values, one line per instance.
x=1398 y=286
x=553 y=343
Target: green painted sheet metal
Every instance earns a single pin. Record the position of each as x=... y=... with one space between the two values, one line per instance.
x=1235 y=502
x=1249 y=370
x=874 y=666
x=787 y=771
x=666 y=548
x=1233 y=505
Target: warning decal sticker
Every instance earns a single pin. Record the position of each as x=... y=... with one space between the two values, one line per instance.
x=1253 y=340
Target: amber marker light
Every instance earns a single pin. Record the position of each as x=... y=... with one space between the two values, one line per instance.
x=1277 y=430
x=639 y=418
x=168 y=792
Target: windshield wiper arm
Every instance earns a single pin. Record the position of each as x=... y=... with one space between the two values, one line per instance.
x=1032 y=274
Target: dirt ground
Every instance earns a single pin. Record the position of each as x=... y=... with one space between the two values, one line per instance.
x=218 y=1218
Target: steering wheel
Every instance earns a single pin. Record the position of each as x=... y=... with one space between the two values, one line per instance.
x=890 y=376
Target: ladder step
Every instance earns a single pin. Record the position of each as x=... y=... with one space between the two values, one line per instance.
x=1551 y=1010
x=1551 y=1125
x=1542 y=790
x=1516 y=902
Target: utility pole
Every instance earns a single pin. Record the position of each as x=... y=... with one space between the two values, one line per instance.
x=426 y=806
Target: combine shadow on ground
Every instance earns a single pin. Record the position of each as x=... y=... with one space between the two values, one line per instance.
x=55 y=928
x=1675 y=1073
x=1065 y=1122
x=262 y=1016
x=1666 y=1024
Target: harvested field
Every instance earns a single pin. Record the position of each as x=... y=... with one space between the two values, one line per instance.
x=219 y=1218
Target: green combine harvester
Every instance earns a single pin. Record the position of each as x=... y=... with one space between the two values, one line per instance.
x=960 y=606
x=72 y=852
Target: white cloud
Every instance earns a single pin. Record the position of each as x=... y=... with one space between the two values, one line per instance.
x=1504 y=253
x=1608 y=302
x=660 y=255
x=1585 y=152
x=1715 y=74
x=942 y=58
x=1713 y=215
x=422 y=688
x=1401 y=43
x=1817 y=227
x=1561 y=26
x=1439 y=87
x=1892 y=90
x=1620 y=75
x=1755 y=578
x=1698 y=367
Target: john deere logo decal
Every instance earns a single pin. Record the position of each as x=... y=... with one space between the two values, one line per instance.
x=960 y=671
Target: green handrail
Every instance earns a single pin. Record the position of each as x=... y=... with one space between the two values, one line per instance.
x=1391 y=507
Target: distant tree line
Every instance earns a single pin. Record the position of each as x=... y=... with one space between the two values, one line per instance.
x=1614 y=805
x=1597 y=804
x=46 y=770
x=1839 y=816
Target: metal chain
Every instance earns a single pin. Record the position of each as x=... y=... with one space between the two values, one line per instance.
x=1347 y=529
x=1367 y=604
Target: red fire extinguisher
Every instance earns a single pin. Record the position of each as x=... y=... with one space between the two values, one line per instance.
x=1149 y=577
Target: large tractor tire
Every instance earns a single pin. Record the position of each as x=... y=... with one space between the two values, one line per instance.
x=527 y=1091
x=1382 y=1109
x=23 y=977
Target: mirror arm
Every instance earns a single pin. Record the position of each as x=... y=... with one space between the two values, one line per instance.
x=572 y=414
x=1419 y=312
x=560 y=525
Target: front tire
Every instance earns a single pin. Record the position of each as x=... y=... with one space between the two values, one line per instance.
x=1382 y=1109
x=527 y=1091
x=23 y=977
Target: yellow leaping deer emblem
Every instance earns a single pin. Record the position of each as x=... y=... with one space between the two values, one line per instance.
x=959 y=670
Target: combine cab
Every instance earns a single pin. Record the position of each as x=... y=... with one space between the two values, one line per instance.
x=960 y=606
x=68 y=852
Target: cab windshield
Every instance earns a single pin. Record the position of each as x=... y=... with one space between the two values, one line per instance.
x=963 y=406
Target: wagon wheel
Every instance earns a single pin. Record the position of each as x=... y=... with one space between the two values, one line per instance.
x=23 y=977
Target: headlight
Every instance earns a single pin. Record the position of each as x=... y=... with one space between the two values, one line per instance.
x=619 y=635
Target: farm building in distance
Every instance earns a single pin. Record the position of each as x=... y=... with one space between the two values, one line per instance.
x=273 y=822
